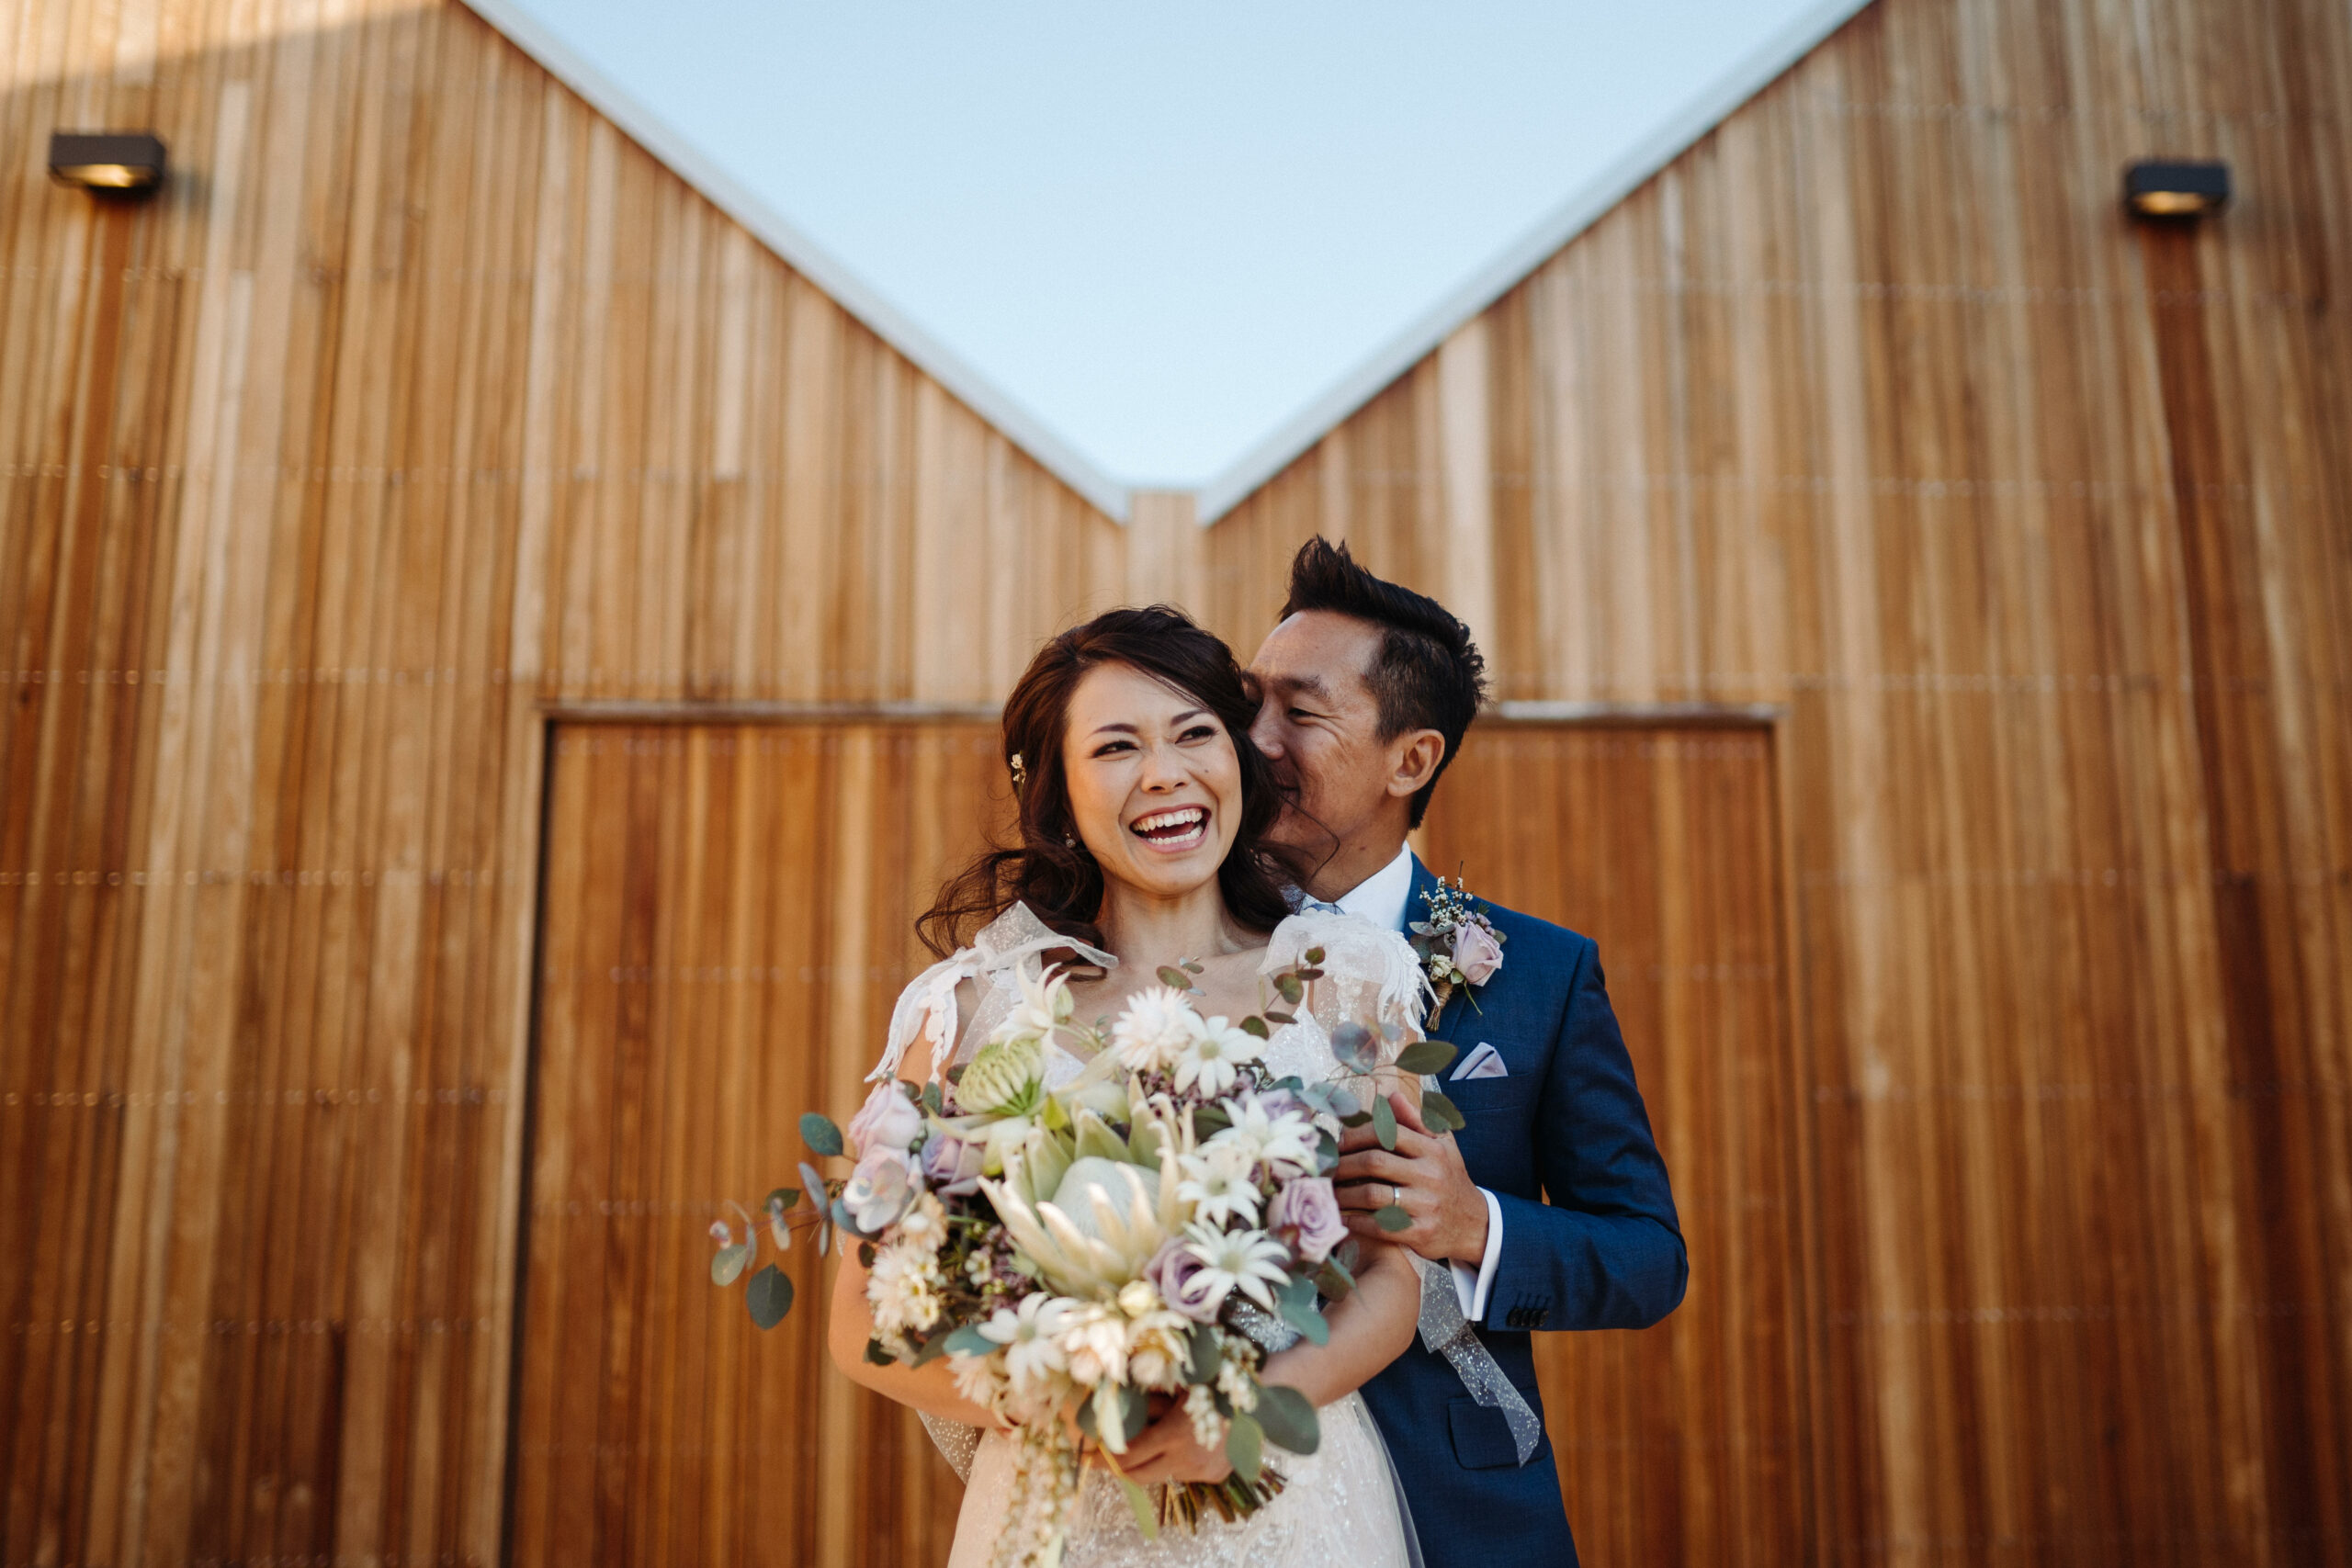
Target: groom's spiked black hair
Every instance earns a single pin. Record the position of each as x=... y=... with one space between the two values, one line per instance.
x=1428 y=675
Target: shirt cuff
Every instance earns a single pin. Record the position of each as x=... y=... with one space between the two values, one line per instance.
x=1472 y=1286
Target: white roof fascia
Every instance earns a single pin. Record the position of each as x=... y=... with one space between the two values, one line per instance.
x=1599 y=196
x=805 y=255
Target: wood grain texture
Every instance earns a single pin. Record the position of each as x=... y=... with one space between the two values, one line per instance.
x=1873 y=406
x=1689 y=1442
x=419 y=400
x=422 y=399
x=729 y=916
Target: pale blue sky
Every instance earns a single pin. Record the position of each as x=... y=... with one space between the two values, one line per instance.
x=1165 y=230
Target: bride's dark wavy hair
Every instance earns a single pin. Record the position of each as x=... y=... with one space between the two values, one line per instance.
x=1061 y=883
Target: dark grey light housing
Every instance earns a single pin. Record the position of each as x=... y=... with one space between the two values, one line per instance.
x=106 y=160
x=2153 y=188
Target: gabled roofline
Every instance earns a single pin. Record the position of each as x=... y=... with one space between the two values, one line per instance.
x=804 y=255
x=1752 y=75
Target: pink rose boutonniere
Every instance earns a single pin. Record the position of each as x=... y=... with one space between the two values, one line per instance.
x=1458 y=945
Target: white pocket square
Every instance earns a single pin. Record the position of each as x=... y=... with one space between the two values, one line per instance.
x=1486 y=1061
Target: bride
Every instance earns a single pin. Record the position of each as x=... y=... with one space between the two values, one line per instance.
x=1143 y=806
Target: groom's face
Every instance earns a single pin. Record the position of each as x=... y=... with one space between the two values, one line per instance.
x=1319 y=723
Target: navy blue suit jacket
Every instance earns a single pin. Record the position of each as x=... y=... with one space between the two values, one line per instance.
x=1590 y=1238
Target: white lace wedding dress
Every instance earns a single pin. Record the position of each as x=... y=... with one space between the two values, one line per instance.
x=1341 y=1507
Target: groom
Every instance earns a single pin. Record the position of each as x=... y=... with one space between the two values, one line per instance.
x=1551 y=1206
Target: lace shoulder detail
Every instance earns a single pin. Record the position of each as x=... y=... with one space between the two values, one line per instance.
x=926 y=1009
x=1367 y=972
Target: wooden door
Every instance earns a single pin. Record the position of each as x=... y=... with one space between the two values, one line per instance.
x=1685 y=1443
x=727 y=920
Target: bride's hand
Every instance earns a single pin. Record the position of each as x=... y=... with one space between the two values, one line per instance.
x=1168 y=1451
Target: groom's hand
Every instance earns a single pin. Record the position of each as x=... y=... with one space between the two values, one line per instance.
x=1432 y=1184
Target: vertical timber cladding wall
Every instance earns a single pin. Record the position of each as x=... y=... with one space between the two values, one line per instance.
x=419 y=397
x=1872 y=404
x=729 y=916
x=1687 y=1443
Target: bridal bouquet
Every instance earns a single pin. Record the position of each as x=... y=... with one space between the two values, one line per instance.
x=1088 y=1257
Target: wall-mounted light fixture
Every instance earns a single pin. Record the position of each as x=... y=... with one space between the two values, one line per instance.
x=2158 y=188
x=118 y=161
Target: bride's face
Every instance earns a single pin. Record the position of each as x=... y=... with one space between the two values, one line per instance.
x=1154 y=784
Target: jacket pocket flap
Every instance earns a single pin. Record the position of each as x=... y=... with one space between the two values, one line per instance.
x=1482 y=1438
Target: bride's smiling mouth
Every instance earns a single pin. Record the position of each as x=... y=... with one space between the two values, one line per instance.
x=1175 y=830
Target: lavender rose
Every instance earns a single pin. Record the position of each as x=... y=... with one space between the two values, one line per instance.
x=1175 y=1269
x=1306 y=1215
x=1477 y=952
x=881 y=1189
x=1281 y=1102
x=952 y=1165
x=888 y=1120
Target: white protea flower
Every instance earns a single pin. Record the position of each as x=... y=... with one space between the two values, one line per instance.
x=1158 y=1025
x=1285 y=1143
x=1006 y=1077
x=1213 y=1059
x=1032 y=1339
x=1217 y=1181
x=1249 y=1261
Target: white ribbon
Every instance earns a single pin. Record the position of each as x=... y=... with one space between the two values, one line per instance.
x=1445 y=1331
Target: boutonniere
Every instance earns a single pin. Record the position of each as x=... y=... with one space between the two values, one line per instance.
x=1458 y=945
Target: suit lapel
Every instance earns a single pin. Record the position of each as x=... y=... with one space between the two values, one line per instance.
x=1441 y=1025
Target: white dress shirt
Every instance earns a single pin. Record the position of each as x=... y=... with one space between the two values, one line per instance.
x=1380 y=899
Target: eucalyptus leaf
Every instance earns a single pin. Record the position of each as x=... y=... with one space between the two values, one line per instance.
x=788 y=1197
x=1392 y=1218
x=1355 y=1119
x=1291 y=988
x=1383 y=1123
x=1208 y=1120
x=1441 y=1113
x=819 y=1134
x=813 y=1182
x=1139 y=1504
x=727 y=1263
x=1255 y=1025
x=1194 y=966
x=1295 y=1300
x=1425 y=1056
x=1288 y=1418
x=1245 y=1445
x=1175 y=979
x=769 y=1296
x=1334 y=1281
x=1207 y=1354
x=1271 y=1016
x=865 y=1255
x=876 y=1355
x=1312 y=956
x=968 y=1341
x=1352 y=1043
x=1327 y=1152
x=932 y=1099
